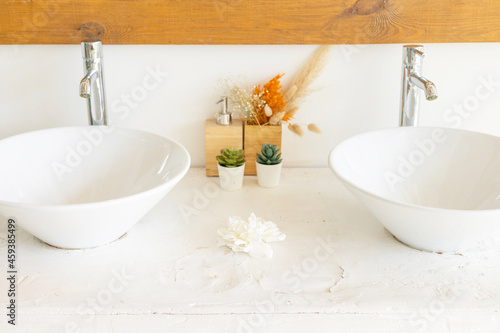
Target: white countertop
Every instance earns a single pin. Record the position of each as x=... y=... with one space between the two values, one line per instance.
x=338 y=270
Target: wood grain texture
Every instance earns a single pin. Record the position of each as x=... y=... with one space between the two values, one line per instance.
x=249 y=22
x=255 y=136
x=218 y=137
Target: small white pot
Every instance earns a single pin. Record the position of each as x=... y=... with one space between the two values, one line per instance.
x=231 y=179
x=268 y=175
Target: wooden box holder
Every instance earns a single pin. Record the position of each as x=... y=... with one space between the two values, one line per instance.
x=254 y=137
x=218 y=137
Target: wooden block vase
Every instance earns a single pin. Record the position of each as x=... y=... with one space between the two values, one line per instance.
x=255 y=136
x=218 y=137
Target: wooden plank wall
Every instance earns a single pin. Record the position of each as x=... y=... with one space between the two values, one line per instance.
x=249 y=21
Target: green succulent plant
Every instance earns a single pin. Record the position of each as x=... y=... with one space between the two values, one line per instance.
x=231 y=157
x=270 y=155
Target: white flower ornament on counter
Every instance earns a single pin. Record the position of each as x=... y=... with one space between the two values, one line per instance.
x=251 y=236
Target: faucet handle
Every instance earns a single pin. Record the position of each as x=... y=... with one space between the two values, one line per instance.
x=414 y=48
x=420 y=52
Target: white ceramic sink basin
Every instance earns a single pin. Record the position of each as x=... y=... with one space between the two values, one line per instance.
x=80 y=187
x=436 y=189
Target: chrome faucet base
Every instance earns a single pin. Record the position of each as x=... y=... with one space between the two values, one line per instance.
x=92 y=85
x=411 y=80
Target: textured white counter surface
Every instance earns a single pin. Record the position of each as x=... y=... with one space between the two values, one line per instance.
x=337 y=271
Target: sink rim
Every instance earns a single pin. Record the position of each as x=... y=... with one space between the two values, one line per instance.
x=334 y=151
x=171 y=182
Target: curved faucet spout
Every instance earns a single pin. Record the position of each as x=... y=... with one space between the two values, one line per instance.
x=427 y=86
x=86 y=84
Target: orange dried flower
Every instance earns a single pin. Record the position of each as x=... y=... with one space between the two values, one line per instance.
x=271 y=93
x=287 y=117
x=259 y=117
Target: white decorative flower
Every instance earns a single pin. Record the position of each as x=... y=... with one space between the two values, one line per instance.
x=251 y=236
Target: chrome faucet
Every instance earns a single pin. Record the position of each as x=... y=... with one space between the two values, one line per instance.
x=412 y=78
x=92 y=85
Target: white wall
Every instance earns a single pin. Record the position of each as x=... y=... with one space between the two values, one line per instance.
x=358 y=90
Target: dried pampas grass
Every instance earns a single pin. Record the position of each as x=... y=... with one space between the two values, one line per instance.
x=300 y=86
x=313 y=128
x=295 y=128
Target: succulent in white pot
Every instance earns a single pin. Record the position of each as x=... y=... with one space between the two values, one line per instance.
x=269 y=165
x=231 y=166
